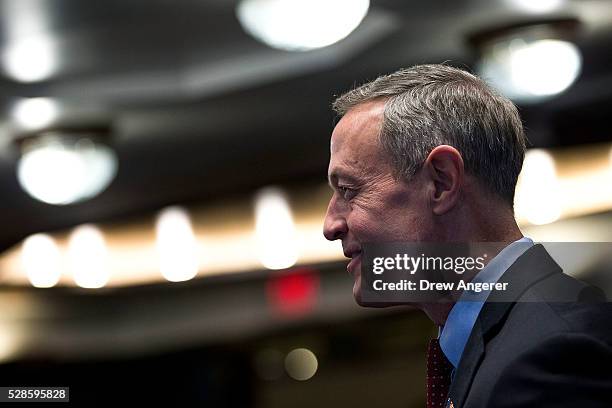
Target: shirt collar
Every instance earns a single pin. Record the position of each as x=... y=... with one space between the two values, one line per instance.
x=462 y=317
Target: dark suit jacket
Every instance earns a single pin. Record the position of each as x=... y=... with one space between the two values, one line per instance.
x=537 y=351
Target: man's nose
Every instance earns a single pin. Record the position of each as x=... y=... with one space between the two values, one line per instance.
x=334 y=226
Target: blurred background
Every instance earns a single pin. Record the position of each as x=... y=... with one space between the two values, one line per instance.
x=163 y=186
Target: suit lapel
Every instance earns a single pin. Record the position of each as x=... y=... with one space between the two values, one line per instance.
x=470 y=360
x=531 y=267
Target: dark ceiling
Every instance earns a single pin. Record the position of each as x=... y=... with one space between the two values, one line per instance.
x=200 y=110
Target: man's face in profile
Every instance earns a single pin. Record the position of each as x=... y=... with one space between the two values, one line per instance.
x=369 y=205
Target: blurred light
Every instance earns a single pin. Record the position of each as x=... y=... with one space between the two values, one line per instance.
x=176 y=245
x=531 y=70
x=35 y=113
x=537 y=195
x=30 y=60
x=59 y=170
x=88 y=257
x=11 y=341
x=269 y=364
x=573 y=183
x=300 y=25
x=40 y=259
x=293 y=293
x=537 y=6
x=545 y=67
x=301 y=364
x=274 y=229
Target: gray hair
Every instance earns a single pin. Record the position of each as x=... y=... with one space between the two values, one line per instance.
x=431 y=105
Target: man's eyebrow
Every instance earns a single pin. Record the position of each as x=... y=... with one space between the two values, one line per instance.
x=339 y=175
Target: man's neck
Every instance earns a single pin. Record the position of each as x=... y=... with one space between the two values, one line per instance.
x=438 y=312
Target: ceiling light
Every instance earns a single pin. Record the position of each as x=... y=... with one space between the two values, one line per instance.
x=35 y=113
x=274 y=229
x=30 y=60
x=88 y=256
x=176 y=245
x=300 y=25
x=61 y=168
x=530 y=62
x=537 y=6
x=537 y=193
x=531 y=70
x=40 y=259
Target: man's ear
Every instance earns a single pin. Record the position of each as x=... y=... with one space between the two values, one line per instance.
x=444 y=167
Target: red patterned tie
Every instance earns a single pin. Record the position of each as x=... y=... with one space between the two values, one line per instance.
x=438 y=375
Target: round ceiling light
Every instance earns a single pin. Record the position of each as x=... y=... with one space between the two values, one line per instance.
x=59 y=168
x=301 y=25
x=30 y=60
x=531 y=70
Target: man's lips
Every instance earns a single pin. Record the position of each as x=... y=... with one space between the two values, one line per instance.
x=352 y=265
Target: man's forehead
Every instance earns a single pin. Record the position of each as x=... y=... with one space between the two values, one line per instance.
x=355 y=147
x=361 y=124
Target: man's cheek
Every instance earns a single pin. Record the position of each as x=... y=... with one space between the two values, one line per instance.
x=401 y=198
x=358 y=223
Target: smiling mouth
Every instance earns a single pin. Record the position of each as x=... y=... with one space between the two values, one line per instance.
x=355 y=259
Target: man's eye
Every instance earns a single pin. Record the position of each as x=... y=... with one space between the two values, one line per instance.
x=346 y=192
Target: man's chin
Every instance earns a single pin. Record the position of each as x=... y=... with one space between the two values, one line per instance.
x=357 y=290
x=359 y=299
